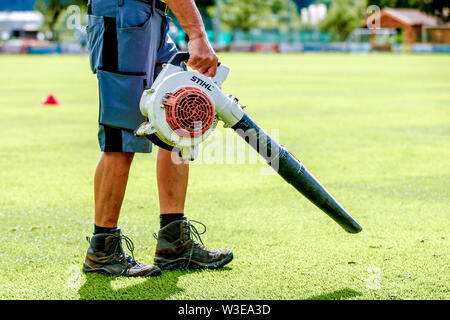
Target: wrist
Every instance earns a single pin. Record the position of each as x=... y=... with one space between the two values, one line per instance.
x=197 y=35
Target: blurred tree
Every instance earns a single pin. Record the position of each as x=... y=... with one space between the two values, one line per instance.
x=277 y=5
x=343 y=17
x=52 y=11
x=285 y=16
x=203 y=4
x=244 y=14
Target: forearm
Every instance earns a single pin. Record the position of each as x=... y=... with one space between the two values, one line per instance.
x=189 y=17
x=201 y=54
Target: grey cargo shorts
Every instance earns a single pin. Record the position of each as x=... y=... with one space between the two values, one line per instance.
x=128 y=42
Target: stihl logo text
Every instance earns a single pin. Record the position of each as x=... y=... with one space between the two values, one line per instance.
x=201 y=83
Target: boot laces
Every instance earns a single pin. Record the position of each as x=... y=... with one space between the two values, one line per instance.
x=118 y=250
x=192 y=232
x=194 y=235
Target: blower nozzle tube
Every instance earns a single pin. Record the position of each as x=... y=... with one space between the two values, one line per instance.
x=294 y=172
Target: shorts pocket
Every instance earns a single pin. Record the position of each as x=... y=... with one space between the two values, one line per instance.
x=95 y=31
x=120 y=94
x=134 y=47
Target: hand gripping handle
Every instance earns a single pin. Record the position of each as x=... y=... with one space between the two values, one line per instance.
x=180 y=57
x=183 y=56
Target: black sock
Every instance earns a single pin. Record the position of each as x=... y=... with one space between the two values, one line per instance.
x=98 y=229
x=166 y=218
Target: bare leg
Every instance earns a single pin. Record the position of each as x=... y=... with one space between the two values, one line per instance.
x=110 y=183
x=172 y=183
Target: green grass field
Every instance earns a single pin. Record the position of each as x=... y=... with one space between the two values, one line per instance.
x=374 y=129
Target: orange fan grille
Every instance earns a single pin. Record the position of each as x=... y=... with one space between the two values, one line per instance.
x=189 y=112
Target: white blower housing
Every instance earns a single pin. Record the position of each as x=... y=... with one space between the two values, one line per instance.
x=183 y=107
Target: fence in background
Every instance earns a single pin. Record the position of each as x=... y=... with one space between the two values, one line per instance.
x=241 y=42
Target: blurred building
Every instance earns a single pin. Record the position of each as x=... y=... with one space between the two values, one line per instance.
x=438 y=34
x=20 y=24
x=409 y=22
x=19 y=20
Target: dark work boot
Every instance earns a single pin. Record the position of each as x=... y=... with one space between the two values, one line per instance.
x=176 y=248
x=106 y=255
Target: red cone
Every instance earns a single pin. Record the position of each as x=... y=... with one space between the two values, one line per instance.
x=51 y=100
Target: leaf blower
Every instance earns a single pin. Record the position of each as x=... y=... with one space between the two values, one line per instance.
x=183 y=108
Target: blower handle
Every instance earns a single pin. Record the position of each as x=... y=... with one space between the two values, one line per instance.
x=179 y=57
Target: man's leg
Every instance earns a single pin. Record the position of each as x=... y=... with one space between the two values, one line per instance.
x=110 y=183
x=176 y=247
x=105 y=253
x=172 y=183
